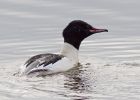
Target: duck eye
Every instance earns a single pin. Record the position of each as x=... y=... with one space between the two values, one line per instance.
x=88 y=27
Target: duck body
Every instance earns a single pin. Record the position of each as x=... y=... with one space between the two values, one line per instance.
x=45 y=64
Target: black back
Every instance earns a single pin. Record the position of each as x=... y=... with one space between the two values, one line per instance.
x=44 y=59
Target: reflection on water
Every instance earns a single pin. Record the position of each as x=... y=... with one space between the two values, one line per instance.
x=109 y=61
x=75 y=81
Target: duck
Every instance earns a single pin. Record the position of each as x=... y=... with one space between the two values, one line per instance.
x=45 y=64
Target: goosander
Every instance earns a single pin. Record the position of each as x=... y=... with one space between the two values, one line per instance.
x=44 y=64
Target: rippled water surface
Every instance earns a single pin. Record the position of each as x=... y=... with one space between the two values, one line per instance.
x=110 y=62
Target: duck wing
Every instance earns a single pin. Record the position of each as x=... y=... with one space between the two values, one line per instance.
x=39 y=63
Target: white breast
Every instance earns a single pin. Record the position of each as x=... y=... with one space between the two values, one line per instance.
x=62 y=65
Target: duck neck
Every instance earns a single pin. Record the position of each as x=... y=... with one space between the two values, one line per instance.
x=70 y=52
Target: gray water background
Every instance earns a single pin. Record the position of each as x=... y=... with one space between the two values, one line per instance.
x=110 y=61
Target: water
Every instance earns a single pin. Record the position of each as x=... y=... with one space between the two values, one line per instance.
x=110 y=61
